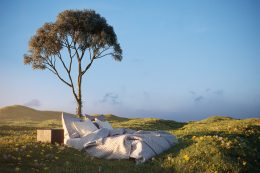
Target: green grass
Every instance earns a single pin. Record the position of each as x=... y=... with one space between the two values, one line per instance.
x=216 y=144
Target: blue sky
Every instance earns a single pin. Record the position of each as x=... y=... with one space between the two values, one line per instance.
x=183 y=60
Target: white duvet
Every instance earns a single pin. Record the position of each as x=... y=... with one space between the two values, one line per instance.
x=121 y=143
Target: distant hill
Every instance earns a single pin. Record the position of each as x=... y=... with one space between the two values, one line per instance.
x=18 y=112
x=212 y=119
x=111 y=117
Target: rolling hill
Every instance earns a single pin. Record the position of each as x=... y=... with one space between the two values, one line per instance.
x=18 y=112
x=111 y=117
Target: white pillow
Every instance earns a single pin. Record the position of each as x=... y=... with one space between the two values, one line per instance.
x=85 y=127
x=103 y=124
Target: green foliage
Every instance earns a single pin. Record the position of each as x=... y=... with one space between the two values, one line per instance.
x=75 y=30
x=221 y=145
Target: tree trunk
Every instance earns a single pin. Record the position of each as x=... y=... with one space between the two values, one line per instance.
x=79 y=107
x=79 y=99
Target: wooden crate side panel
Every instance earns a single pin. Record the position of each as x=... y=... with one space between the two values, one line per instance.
x=57 y=135
x=44 y=135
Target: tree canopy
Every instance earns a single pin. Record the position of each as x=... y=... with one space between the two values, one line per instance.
x=82 y=34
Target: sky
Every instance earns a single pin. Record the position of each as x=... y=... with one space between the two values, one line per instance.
x=182 y=60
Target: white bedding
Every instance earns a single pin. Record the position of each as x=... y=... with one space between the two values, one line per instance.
x=120 y=143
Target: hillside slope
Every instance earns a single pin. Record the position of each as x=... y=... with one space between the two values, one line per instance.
x=113 y=118
x=18 y=112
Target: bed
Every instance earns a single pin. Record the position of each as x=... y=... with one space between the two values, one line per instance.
x=117 y=143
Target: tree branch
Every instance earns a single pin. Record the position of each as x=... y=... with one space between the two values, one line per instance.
x=76 y=51
x=88 y=66
x=50 y=70
x=53 y=69
x=67 y=42
x=104 y=55
x=64 y=65
x=96 y=55
x=70 y=78
x=71 y=56
x=91 y=61
x=82 y=54
x=105 y=49
x=90 y=55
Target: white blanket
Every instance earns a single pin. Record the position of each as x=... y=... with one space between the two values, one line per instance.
x=125 y=143
x=118 y=143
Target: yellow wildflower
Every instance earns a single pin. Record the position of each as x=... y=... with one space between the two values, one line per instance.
x=186 y=157
x=244 y=163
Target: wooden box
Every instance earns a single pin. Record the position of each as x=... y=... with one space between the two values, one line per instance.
x=51 y=135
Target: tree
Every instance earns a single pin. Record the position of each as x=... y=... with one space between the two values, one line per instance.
x=75 y=37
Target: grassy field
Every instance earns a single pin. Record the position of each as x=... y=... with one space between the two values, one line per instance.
x=216 y=144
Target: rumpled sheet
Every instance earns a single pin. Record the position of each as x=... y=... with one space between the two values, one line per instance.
x=123 y=143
